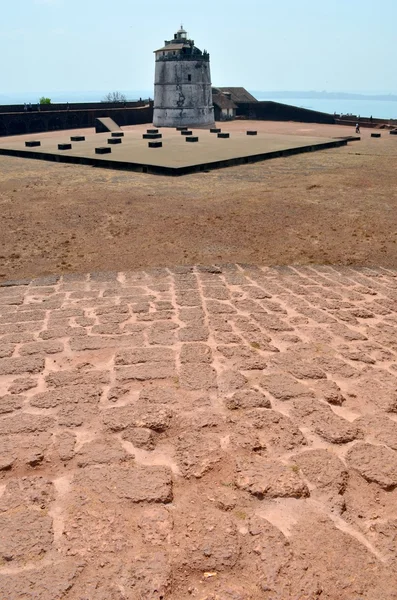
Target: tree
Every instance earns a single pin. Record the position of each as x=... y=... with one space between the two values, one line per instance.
x=114 y=97
x=44 y=100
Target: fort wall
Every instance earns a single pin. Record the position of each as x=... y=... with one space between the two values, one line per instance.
x=275 y=111
x=52 y=118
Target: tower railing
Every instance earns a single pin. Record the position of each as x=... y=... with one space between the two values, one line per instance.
x=182 y=57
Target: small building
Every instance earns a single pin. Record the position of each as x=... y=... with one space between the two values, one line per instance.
x=241 y=98
x=182 y=86
x=224 y=107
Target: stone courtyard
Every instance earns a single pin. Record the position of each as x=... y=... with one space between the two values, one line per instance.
x=217 y=433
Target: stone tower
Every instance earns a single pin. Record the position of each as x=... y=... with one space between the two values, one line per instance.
x=182 y=87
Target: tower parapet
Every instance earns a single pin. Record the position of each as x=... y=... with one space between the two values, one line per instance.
x=182 y=87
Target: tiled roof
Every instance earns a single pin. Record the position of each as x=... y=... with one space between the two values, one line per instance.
x=173 y=47
x=223 y=101
x=238 y=94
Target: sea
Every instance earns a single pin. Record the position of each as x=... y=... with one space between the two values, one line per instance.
x=381 y=109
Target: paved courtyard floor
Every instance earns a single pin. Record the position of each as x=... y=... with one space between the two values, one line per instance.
x=217 y=433
x=176 y=154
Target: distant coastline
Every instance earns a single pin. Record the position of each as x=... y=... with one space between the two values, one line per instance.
x=326 y=95
x=382 y=105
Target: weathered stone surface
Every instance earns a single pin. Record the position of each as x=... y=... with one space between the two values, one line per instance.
x=162 y=334
x=322 y=567
x=27 y=492
x=18 y=366
x=151 y=416
x=65 y=444
x=201 y=377
x=277 y=430
x=26 y=534
x=50 y=347
x=103 y=451
x=40 y=583
x=209 y=541
x=230 y=381
x=271 y=322
x=97 y=342
x=193 y=334
x=140 y=437
x=10 y=403
x=144 y=355
x=195 y=353
x=198 y=453
x=244 y=437
x=146 y=371
x=77 y=377
x=270 y=479
x=156 y=525
x=25 y=423
x=244 y=399
x=306 y=370
x=199 y=390
x=158 y=395
x=67 y=395
x=284 y=387
x=57 y=332
x=126 y=483
x=329 y=391
x=335 y=366
x=325 y=422
x=22 y=384
x=374 y=463
x=25 y=448
x=6 y=350
x=377 y=391
x=379 y=428
x=323 y=469
x=22 y=316
x=243 y=358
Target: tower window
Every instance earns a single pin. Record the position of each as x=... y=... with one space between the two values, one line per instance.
x=189 y=77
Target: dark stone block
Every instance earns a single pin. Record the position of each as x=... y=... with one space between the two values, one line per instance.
x=155 y=144
x=117 y=134
x=215 y=130
x=181 y=128
x=252 y=133
x=77 y=138
x=393 y=132
x=152 y=136
x=32 y=144
x=375 y=135
x=64 y=146
x=114 y=141
x=224 y=135
x=192 y=139
x=186 y=132
x=103 y=150
x=152 y=130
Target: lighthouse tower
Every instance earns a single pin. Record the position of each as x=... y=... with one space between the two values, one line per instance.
x=182 y=86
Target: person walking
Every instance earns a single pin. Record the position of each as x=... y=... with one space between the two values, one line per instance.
x=357 y=127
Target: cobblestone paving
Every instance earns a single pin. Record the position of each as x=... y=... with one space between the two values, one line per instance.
x=222 y=433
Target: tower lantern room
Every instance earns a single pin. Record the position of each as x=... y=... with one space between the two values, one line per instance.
x=182 y=86
x=181 y=34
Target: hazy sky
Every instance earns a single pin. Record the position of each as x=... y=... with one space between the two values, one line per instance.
x=333 y=45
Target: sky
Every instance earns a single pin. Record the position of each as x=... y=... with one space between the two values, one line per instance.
x=86 y=45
